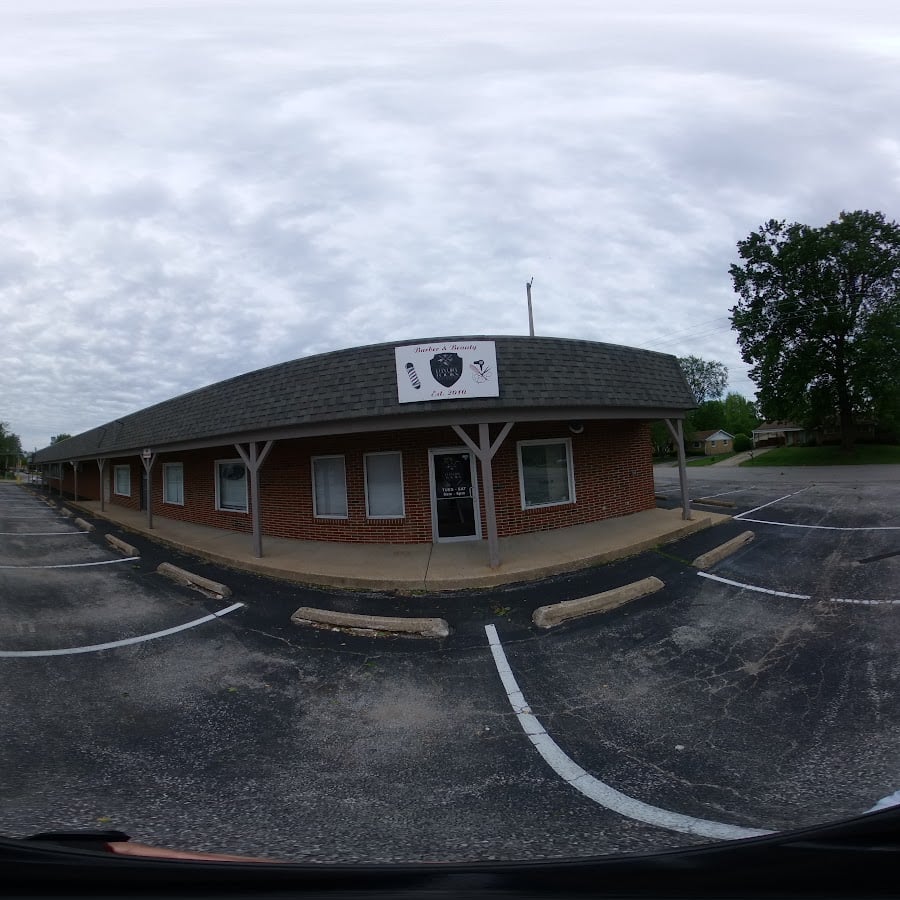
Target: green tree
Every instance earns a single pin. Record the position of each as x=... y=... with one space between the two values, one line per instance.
x=62 y=436
x=706 y=417
x=819 y=318
x=739 y=414
x=706 y=378
x=735 y=414
x=661 y=439
x=10 y=448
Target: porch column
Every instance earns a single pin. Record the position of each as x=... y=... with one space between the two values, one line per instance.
x=74 y=464
x=101 y=465
x=253 y=459
x=677 y=432
x=148 y=457
x=484 y=452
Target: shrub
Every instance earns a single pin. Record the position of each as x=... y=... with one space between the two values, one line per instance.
x=742 y=442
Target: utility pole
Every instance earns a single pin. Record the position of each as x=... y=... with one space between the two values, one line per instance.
x=530 y=314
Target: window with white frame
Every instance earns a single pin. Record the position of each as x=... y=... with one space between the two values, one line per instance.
x=329 y=487
x=231 y=485
x=384 y=485
x=173 y=483
x=122 y=480
x=546 y=476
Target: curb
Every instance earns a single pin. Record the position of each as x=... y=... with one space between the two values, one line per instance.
x=710 y=501
x=489 y=579
x=557 y=613
x=119 y=544
x=705 y=560
x=191 y=580
x=435 y=628
x=84 y=526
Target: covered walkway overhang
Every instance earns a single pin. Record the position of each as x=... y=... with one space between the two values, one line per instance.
x=482 y=431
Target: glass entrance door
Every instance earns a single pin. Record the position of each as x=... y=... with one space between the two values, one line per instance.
x=454 y=496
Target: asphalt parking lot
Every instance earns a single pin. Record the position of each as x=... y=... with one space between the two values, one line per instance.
x=758 y=695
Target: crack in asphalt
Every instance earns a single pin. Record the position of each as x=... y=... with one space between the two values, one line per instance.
x=879 y=556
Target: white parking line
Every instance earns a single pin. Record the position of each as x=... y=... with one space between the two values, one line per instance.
x=93 y=648
x=753 y=587
x=885 y=802
x=591 y=787
x=770 y=503
x=762 y=590
x=864 y=602
x=40 y=533
x=822 y=527
x=103 y=562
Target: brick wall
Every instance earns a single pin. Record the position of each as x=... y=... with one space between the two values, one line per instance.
x=613 y=470
x=611 y=461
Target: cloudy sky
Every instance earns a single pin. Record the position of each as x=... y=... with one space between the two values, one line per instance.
x=198 y=188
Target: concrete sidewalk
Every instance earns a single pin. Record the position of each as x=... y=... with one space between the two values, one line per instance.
x=738 y=458
x=415 y=567
x=735 y=460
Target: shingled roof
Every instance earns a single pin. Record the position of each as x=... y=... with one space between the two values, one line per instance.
x=356 y=389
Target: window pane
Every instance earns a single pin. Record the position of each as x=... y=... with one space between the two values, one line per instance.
x=545 y=473
x=174 y=483
x=384 y=485
x=232 y=486
x=330 y=486
x=123 y=480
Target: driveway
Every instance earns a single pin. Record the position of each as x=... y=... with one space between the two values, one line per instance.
x=760 y=698
x=738 y=458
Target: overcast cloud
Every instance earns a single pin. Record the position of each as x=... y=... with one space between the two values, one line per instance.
x=191 y=190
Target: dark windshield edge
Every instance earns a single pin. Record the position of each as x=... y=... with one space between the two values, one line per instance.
x=854 y=857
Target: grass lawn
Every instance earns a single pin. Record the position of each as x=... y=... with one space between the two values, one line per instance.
x=863 y=454
x=707 y=460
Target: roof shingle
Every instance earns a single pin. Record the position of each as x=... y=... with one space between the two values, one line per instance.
x=360 y=383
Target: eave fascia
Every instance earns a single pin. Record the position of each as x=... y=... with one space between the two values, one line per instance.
x=405 y=422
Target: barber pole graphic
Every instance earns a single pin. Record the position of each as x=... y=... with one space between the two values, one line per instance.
x=411 y=371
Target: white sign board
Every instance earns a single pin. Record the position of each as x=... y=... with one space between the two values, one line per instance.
x=446 y=371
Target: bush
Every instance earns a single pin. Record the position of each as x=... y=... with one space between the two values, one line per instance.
x=742 y=443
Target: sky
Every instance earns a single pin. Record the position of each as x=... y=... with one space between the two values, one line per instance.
x=191 y=190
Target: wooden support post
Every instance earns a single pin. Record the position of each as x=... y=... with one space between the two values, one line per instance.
x=253 y=459
x=101 y=465
x=677 y=432
x=484 y=451
x=148 y=458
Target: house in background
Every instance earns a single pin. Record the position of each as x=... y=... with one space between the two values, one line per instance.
x=780 y=434
x=711 y=443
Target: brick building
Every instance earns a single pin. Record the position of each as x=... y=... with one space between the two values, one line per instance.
x=443 y=439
